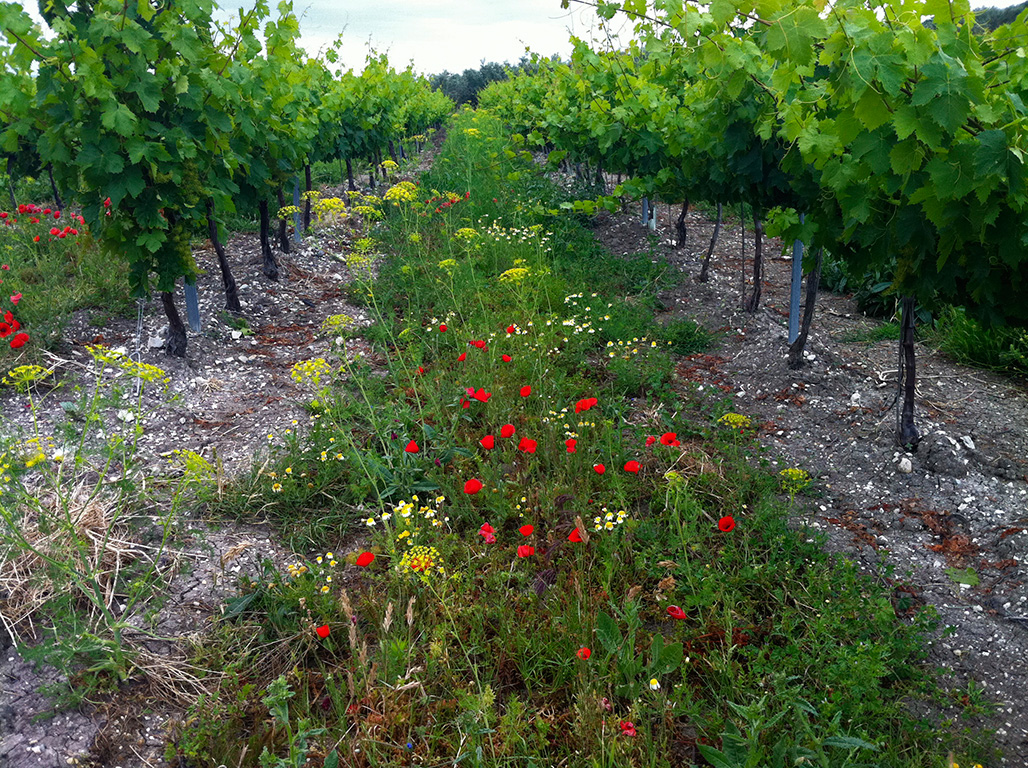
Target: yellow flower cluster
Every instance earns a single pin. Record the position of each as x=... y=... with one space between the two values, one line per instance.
x=734 y=420
x=309 y=371
x=389 y=165
x=21 y=377
x=144 y=371
x=465 y=233
x=422 y=562
x=404 y=192
x=515 y=275
x=334 y=324
x=794 y=480
x=448 y=265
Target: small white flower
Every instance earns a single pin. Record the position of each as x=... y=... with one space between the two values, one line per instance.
x=654 y=684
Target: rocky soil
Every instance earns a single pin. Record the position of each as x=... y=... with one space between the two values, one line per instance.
x=960 y=501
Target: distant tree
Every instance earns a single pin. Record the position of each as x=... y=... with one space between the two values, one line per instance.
x=464 y=88
x=987 y=19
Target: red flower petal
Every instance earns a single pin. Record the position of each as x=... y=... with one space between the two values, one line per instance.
x=525 y=551
x=364 y=559
x=322 y=631
x=726 y=523
x=584 y=653
x=526 y=391
x=463 y=357
x=571 y=443
x=650 y=440
x=472 y=486
x=668 y=438
x=526 y=530
x=19 y=341
x=507 y=430
x=575 y=536
x=15 y=299
x=585 y=404
x=482 y=396
x=488 y=442
x=632 y=466
x=510 y=329
x=600 y=469
x=442 y=328
x=675 y=612
x=507 y=358
x=412 y=447
x=526 y=445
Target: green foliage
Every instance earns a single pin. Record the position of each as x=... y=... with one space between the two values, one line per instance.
x=966 y=341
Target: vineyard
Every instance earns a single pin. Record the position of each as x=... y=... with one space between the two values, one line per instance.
x=456 y=458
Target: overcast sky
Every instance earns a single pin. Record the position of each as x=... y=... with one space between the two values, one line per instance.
x=438 y=35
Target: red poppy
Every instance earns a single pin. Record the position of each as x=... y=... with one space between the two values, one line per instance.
x=62 y=235
x=507 y=430
x=525 y=551
x=107 y=203
x=322 y=631
x=465 y=403
x=526 y=445
x=19 y=340
x=650 y=440
x=57 y=214
x=526 y=530
x=478 y=343
x=364 y=559
x=54 y=231
x=463 y=357
x=488 y=533
x=575 y=536
x=585 y=404
x=510 y=329
x=421 y=370
x=412 y=447
x=35 y=239
x=571 y=443
x=526 y=391
x=669 y=438
x=507 y=358
x=599 y=468
x=15 y=298
x=442 y=328
x=628 y=728
x=488 y=442
x=584 y=653
x=675 y=612
x=632 y=466
x=46 y=211
x=5 y=330
x=481 y=395
x=726 y=523
x=472 y=486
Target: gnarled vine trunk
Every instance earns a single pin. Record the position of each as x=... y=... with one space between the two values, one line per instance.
x=906 y=431
x=175 y=344
x=231 y=293
x=270 y=266
x=713 y=242
x=753 y=302
x=283 y=225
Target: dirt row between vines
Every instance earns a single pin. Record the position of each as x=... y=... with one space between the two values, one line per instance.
x=963 y=505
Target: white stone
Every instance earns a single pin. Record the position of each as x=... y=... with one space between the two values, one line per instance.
x=968 y=442
x=905 y=466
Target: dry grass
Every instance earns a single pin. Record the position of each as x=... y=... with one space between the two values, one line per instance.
x=65 y=543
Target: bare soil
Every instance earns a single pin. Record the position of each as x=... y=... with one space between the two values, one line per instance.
x=963 y=505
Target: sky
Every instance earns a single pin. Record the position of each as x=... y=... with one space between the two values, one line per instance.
x=437 y=35
x=440 y=35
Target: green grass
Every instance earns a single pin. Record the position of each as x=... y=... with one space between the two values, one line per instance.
x=873 y=334
x=967 y=341
x=484 y=632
